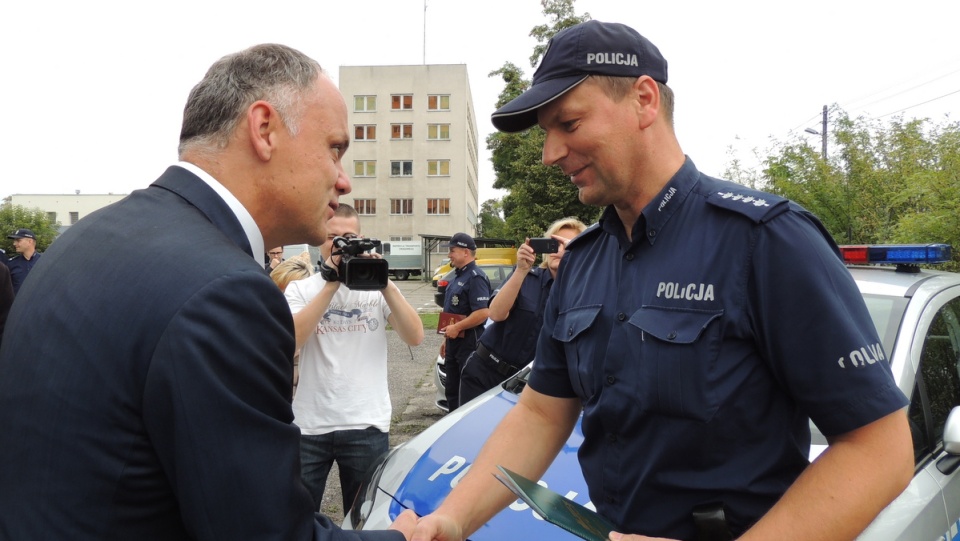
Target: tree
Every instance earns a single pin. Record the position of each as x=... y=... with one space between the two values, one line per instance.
x=492 y=224
x=13 y=217
x=893 y=183
x=538 y=194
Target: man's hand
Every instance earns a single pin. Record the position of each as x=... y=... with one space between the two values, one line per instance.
x=435 y=527
x=450 y=331
x=405 y=523
x=274 y=262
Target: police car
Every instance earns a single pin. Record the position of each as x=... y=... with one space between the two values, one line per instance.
x=917 y=314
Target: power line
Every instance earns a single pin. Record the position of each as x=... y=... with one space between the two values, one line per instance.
x=851 y=103
x=849 y=106
x=921 y=103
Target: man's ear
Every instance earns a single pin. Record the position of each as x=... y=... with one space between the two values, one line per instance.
x=646 y=94
x=263 y=123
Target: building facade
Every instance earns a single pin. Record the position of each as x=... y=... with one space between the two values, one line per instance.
x=66 y=209
x=413 y=156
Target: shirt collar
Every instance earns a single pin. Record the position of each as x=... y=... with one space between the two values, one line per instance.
x=465 y=267
x=249 y=225
x=657 y=213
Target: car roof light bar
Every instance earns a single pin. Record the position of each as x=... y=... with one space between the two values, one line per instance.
x=896 y=254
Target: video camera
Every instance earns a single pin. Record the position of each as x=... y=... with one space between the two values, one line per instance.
x=360 y=273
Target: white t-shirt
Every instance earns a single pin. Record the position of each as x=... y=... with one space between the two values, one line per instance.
x=343 y=366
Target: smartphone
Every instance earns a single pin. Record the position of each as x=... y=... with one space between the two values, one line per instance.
x=545 y=245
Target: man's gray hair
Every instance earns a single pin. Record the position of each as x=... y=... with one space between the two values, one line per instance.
x=277 y=74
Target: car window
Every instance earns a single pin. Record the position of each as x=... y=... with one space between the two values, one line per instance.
x=493 y=273
x=886 y=313
x=937 y=389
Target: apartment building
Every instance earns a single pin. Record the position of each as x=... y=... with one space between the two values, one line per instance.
x=64 y=208
x=413 y=158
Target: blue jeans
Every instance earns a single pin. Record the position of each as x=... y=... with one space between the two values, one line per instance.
x=355 y=451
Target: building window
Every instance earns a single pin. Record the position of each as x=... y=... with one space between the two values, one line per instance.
x=438 y=168
x=438 y=102
x=401 y=206
x=365 y=132
x=74 y=217
x=438 y=132
x=401 y=131
x=438 y=206
x=52 y=216
x=364 y=168
x=401 y=102
x=365 y=207
x=401 y=168
x=400 y=238
x=364 y=104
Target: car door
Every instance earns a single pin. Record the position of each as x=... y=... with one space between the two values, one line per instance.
x=936 y=394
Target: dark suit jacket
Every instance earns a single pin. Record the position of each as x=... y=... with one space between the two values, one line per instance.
x=149 y=397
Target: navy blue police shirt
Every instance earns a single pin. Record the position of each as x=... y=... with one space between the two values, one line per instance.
x=700 y=349
x=468 y=292
x=515 y=339
x=20 y=267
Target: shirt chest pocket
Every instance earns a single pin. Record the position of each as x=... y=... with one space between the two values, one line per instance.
x=677 y=367
x=581 y=354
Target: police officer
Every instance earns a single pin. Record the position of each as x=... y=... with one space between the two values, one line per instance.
x=697 y=327
x=25 y=243
x=467 y=295
x=508 y=344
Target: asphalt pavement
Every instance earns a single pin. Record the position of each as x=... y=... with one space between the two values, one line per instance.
x=412 y=391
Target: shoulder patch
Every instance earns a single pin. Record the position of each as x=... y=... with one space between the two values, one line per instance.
x=758 y=206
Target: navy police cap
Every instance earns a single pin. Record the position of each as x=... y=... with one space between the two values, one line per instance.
x=22 y=233
x=572 y=55
x=461 y=240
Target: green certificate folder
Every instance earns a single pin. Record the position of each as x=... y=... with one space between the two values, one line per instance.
x=556 y=509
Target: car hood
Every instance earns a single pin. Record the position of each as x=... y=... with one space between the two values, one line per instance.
x=440 y=467
x=442 y=454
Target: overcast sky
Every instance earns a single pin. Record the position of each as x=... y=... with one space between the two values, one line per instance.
x=92 y=92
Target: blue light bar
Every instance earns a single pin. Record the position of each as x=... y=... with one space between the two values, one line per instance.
x=896 y=254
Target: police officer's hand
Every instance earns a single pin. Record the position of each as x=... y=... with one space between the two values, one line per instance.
x=405 y=523
x=525 y=256
x=434 y=527
x=451 y=332
x=617 y=536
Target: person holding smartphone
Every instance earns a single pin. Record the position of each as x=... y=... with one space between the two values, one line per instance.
x=508 y=344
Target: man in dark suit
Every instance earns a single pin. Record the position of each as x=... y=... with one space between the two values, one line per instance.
x=150 y=399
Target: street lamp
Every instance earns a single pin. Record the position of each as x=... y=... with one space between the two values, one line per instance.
x=822 y=133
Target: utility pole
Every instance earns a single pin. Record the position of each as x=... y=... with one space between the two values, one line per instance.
x=823 y=133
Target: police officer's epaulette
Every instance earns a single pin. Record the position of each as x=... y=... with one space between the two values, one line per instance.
x=589 y=232
x=756 y=205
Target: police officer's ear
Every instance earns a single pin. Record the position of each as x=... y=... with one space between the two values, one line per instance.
x=646 y=100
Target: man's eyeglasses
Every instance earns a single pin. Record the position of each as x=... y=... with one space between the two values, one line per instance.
x=275 y=253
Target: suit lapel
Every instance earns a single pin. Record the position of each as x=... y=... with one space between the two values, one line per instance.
x=196 y=192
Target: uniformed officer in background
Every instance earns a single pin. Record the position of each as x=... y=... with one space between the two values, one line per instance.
x=468 y=295
x=25 y=243
x=509 y=342
x=697 y=326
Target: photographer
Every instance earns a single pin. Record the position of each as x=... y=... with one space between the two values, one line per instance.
x=342 y=405
x=508 y=344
